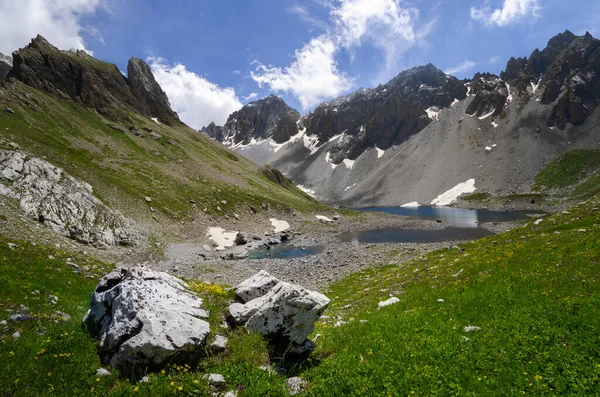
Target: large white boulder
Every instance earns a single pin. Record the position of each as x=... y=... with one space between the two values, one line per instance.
x=256 y=286
x=145 y=319
x=286 y=314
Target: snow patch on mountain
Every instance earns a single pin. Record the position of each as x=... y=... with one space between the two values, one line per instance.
x=451 y=195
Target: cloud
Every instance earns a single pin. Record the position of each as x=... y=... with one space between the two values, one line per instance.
x=511 y=11
x=58 y=21
x=253 y=95
x=494 y=59
x=461 y=67
x=314 y=76
x=197 y=101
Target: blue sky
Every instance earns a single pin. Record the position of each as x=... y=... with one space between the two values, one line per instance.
x=213 y=56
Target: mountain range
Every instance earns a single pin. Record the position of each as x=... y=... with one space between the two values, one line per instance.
x=425 y=132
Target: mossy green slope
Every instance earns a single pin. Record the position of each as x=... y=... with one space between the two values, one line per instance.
x=183 y=172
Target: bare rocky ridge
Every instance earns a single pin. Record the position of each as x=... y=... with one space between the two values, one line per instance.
x=96 y=84
x=270 y=117
x=63 y=203
x=423 y=133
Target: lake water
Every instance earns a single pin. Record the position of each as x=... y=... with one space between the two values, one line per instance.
x=461 y=224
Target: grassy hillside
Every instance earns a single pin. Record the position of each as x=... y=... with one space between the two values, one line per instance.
x=577 y=169
x=533 y=292
x=183 y=172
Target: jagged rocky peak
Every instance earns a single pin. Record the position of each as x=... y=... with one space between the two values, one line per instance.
x=270 y=117
x=6 y=63
x=491 y=95
x=385 y=115
x=214 y=131
x=144 y=84
x=78 y=76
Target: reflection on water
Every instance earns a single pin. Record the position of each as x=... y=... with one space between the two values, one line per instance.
x=284 y=251
x=455 y=217
x=395 y=235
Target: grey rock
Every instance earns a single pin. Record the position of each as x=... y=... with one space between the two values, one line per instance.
x=145 y=319
x=256 y=286
x=64 y=203
x=102 y=372
x=6 y=63
x=295 y=385
x=286 y=315
x=219 y=344
x=9 y=111
x=217 y=381
x=155 y=136
x=242 y=238
x=16 y=335
x=3 y=323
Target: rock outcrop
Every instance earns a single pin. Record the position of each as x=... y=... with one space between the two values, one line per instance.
x=284 y=313
x=145 y=320
x=266 y=118
x=62 y=202
x=98 y=85
x=5 y=65
x=490 y=95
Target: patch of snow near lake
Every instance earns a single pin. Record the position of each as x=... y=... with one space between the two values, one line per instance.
x=485 y=116
x=412 y=204
x=380 y=152
x=451 y=195
x=323 y=218
x=278 y=225
x=223 y=238
x=433 y=112
x=308 y=191
x=388 y=302
x=155 y=119
x=494 y=124
x=349 y=187
x=349 y=163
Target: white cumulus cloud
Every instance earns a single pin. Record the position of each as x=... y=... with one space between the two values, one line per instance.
x=250 y=97
x=314 y=75
x=59 y=21
x=197 y=100
x=511 y=11
x=461 y=67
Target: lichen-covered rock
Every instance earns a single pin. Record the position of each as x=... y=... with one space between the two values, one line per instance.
x=256 y=286
x=285 y=314
x=145 y=320
x=62 y=202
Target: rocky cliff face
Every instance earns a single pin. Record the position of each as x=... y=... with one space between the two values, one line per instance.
x=270 y=117
x=386 y=115
x=61 y=202
x=96 y=84
x=5 y=65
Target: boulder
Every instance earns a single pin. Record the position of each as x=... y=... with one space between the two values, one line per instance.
x=145 y=320
x=285 y=314
x=295 y=385
x=63 y=203
x=219 y=344
x=242 y=238
x=256 y=286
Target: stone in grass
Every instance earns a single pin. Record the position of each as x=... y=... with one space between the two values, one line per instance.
x=230 y=394
x=16 y=335
x=388 y=302
x=217 y=381
x=219 y=344
x=102 y=372
x=471 y=328
x=295 y=385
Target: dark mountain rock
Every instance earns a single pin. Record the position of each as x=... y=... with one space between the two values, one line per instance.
x=490 y=93
x=214 y=131
x=146 y=88
x=99 y=85
x=5 y=65
x=270 y=117
x=386 y=115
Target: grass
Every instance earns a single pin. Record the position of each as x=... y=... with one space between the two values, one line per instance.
x=568 y=169
x=477 y=196
x=533 y=291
